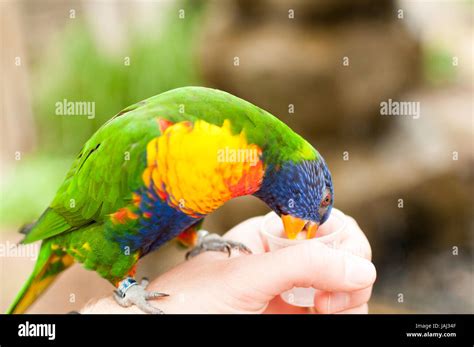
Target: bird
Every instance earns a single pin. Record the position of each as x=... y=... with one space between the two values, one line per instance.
x=155 y=170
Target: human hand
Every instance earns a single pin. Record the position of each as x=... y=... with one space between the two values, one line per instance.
x=214 y=283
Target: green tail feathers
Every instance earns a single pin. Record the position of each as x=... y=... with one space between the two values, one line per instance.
x=51 y=261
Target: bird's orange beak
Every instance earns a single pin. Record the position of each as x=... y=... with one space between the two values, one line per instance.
x=293 y=226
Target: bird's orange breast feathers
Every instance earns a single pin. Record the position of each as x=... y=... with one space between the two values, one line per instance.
x=196 y=167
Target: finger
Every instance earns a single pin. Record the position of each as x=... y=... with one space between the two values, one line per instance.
x=355 y=240
x=309 y=264
x=331 y=302
x=248 y=233
x=362 y=309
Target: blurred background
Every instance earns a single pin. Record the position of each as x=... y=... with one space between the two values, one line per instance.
x=321 y=66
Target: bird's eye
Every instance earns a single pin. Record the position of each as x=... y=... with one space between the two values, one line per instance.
x=326 y=201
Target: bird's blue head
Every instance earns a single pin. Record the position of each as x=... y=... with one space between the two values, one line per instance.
x=300 y=192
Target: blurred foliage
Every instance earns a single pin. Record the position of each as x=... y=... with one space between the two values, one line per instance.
x=438 y=68
x=160 y=60
x=76 y=69
x=30 y=186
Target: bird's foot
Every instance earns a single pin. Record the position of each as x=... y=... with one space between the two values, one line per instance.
x=214 y=242
x=129 y=293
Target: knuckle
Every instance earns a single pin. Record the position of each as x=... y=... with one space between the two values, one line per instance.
x=352 y=221
x=329 y=265
x=364 y=246
x=368 y=251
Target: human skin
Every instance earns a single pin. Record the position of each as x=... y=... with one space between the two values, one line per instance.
x=212 y=282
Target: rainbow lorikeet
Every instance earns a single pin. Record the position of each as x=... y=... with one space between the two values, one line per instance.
x=156 y=170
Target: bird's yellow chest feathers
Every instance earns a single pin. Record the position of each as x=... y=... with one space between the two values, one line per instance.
x=198 y=166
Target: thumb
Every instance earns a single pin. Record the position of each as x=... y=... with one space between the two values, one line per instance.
x=310 y=264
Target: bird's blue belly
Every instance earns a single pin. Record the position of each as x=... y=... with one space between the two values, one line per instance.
x=161 y=224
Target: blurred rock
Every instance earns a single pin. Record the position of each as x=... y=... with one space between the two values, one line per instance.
x=286 y=62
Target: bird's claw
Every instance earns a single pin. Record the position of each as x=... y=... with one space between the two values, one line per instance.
x=131 y=293
x=213 y=242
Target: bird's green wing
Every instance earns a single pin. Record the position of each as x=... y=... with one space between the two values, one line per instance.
x=103 y=176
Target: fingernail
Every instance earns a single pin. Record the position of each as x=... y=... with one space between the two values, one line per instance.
x=360 y=272
x=337 y=302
